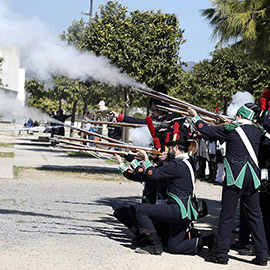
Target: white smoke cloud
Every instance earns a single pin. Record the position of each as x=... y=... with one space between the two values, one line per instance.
x=141 y=136
x=239 y=99
x=44 y=53
x=12 y=108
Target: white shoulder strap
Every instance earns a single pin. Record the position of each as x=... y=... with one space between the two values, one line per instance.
x=248 y=145
x=191 y=173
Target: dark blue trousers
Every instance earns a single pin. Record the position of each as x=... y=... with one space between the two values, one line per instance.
x=265 y=207
x=250 y=202
x=244 y=232
x=145 y=214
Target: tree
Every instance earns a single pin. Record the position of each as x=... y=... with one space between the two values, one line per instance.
x=144 y=45
x=244 y=23
x=212 y=83
x=38 y=97
x=93 y=91
x=74 y=33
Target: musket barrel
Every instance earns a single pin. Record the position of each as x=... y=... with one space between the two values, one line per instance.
x=168 y=99
x=113 y=123
x=176 y=100
x=184 y=113
x=95 y=134
x=76 y=146
x=128 y=147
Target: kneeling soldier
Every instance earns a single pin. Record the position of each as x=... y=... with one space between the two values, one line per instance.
x=178 y=210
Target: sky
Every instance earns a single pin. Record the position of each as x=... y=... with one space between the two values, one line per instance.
x=57 y=15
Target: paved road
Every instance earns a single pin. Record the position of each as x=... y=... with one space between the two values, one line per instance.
x=30 y=152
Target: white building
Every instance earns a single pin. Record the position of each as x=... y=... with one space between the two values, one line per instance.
x=11 y=74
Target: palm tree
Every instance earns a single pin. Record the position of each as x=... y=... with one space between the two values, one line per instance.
x=243 y=23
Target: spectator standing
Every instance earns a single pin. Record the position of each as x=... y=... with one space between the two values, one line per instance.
x=220 y=153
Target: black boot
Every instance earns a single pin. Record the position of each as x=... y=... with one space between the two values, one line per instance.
x=248 y=250
x=140 y=240
x=238 y=245
x=260 y=262
x=215 y=259
x=154 y=247
x=206 y=241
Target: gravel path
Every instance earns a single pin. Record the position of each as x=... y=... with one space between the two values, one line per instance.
x=57 y=220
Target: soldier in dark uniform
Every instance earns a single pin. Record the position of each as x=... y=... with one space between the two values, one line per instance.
x=178 y=211
x=242 y=180
x=61 y=118
x=152 y=190
x=166 y=122
x=244 y=243
x=130 y=173
x=265 y=165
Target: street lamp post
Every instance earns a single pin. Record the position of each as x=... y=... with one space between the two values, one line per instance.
x=90 y=12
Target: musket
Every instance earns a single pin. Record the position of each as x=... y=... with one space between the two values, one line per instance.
x=122 y=124
x=100 y=111
x=179 y=103
x=95 y=134
x=81 y=147
x=127 y=147
x=183 y=113
x=90 y=149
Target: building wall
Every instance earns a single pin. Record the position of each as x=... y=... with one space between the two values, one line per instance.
x=12 y=75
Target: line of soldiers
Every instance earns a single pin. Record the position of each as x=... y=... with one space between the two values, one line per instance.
x=171 y=176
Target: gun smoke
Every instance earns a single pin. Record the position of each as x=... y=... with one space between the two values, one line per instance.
x=13 y=109
x=45 y=54
x=141 y=136
x=239 y=99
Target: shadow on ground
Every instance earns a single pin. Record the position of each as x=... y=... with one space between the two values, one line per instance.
x=75 y=169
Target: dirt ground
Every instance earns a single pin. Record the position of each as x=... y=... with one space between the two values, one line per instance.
x=63 y=220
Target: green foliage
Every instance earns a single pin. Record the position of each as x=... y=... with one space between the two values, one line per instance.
x=96 y=91
x=6 y=154
x=38 y=97
x=138 y=115
x=7 y=145
x=245 y=23
x=74 y=33
x=144 y=45
x=212 y=83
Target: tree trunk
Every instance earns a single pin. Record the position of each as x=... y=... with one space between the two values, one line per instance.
x=225 y=105
x=84 y=108
x=73 y=116
x=125 y=134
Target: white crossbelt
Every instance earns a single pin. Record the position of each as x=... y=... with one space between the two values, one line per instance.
x=191 y=172
x=248 y=145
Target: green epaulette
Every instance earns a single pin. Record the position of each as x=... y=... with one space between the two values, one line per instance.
x=232 y=126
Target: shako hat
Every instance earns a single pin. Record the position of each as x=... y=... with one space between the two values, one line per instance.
x=179 y=138
x=154 y=102
x=248 y=110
